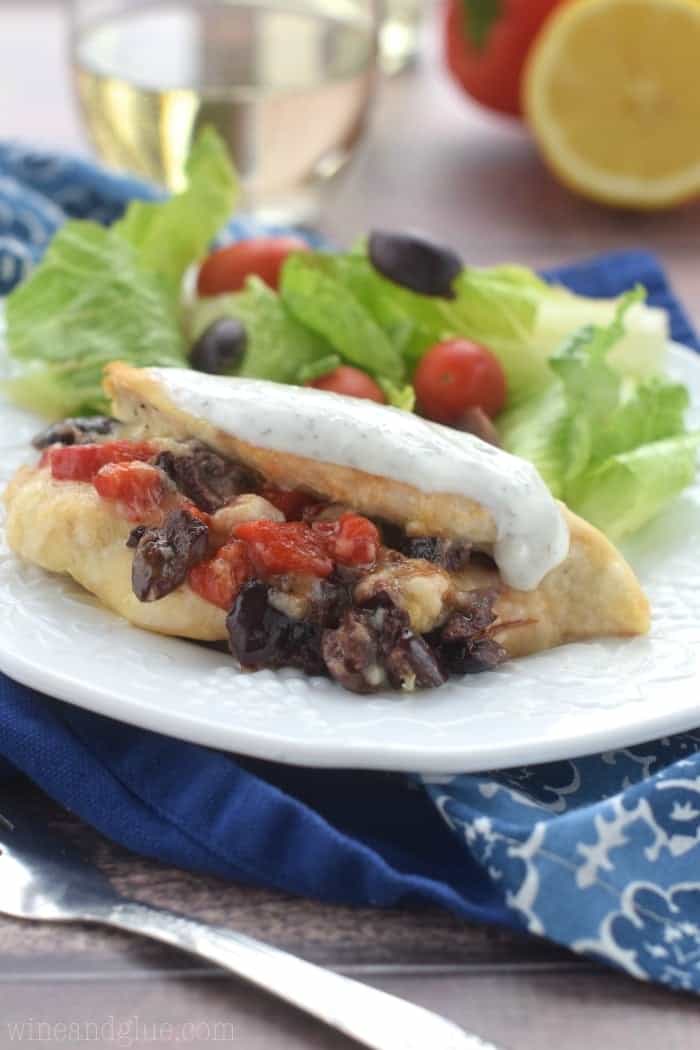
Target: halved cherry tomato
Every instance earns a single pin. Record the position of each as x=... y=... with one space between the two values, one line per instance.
x=82 y=462
x=456 y=375
x=280 y=547
x=219 y=579
x=137 y=488
x=351 y=540
x=352 y=382
x=292 y=502
x=226 y=270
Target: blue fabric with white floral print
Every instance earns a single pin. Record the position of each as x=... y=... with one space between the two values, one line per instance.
x=601 y=854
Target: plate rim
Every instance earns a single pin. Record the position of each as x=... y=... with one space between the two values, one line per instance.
x=429 y=758
x=428 y=761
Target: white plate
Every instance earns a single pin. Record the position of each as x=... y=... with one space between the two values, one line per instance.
x=570 y=701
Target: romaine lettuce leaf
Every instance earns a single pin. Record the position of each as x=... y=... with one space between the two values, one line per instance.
x=615 y=450
x=495 y=307
x=648 y=412
x=279 y=347
x=311 y=290
x=508 y=309
x=639 y=353
x=591 y=387
x=411 y=322
x=524 y=320
x=102 y=295
x=627 y=490
x=399 y=396
x=171 y=234
x=498 y=309
x=536 y=430
x=88 y=303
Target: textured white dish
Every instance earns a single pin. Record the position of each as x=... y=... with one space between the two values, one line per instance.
x=570 y=701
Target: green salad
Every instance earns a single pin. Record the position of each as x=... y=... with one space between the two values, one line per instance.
x=586 y=400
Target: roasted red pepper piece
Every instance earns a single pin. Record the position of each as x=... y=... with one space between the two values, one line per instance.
x=82 y=462
x=277 y=548
x=138 y=488
x=219 y=579
x=351 y=540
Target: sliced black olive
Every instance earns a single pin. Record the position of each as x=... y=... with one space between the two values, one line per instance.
x=205 y=477
x=463 y=644
x=80 y=430
x=220 y=347
x=165 y=555
x=352 y=653
x=135 y=535
x=412 y=664
x=453 y=555
x=429 y=548
x=415 y=263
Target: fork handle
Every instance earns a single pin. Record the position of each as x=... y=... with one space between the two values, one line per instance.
x=374 y=1018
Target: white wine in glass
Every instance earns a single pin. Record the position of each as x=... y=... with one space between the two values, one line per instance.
x=287 y=83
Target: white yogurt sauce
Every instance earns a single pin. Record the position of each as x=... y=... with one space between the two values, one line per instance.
x=532 y=535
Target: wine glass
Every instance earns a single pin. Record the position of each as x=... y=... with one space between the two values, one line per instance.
x=287 y=83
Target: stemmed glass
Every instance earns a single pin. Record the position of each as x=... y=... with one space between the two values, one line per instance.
x=287 y=83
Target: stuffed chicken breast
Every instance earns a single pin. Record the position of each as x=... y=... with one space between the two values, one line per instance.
x=311 y=530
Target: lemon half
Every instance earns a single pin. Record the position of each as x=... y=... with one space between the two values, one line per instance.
x=612 y=95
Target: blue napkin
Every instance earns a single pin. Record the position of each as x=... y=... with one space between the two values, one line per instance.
x=600 y=854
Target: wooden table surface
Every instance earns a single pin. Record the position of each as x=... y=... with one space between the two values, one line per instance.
x=432 y=161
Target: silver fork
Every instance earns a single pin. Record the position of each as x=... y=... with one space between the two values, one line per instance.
x=42 y=878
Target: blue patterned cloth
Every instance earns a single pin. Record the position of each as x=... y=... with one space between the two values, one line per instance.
x=601 y=854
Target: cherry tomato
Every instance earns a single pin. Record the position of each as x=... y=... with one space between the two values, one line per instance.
x=219 y=579
x=226 y=270
x=136 y=488
x=486 y=46
x=291 y=546
x=456 y=375
x=82 y=462
x=350 y=381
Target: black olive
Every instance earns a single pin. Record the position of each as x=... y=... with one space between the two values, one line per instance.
x=429 y=548
x=220 y=347
x=205 y=477
x=413 y=664
x=261 y=636
x=415 y=263
x=135 y=536
x=463 y=644
x=165 y=555
x=80 y=430
x=252 y=627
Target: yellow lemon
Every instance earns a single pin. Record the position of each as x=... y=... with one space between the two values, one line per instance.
x=612 y=95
